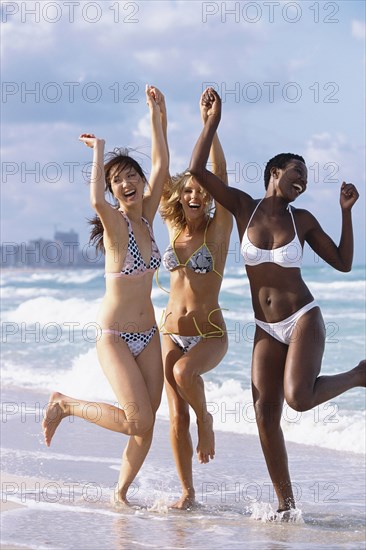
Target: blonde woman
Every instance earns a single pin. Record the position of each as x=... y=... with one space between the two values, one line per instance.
x=194 y=336
x=129 y=347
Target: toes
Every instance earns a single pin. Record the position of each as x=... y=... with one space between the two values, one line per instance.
x=202 y=457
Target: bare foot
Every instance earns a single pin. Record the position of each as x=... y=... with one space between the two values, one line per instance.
x=206 y=440
x=284 y=516
x=186 y=502
x=360 y=373
x=292 y=515
x=55 y=412
x=119 y=500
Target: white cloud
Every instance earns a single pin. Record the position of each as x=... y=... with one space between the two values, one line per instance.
x=358 y=29
x=324 y=147
x=150 y=58
x=143 y=127
x=297 y=63
x=332 y=159
x=178 y=162
x=39 y=142
x=165 y=16
x=171 y=46
x=32 y=38
x=202 y=69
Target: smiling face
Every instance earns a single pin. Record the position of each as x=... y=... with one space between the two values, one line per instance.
x=291 y=181
x=194 y=200
x=127 y=185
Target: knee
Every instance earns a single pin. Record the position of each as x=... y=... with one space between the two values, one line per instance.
x=141 y=426
x=268 y=417
x=298 y=400
x=182 y=375
x=180 y=422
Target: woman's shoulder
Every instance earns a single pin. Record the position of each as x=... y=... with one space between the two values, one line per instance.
x=301 y=212
x=303 y=218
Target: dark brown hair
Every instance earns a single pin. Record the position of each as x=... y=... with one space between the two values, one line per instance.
x=118 y=157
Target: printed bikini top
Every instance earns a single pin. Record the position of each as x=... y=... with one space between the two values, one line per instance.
x=289 y=255
x=201 y=261
x=134 y=264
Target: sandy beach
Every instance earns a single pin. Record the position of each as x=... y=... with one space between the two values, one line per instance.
x=60 y=497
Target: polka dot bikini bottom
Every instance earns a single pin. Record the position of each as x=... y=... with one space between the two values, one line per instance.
x=136 y=341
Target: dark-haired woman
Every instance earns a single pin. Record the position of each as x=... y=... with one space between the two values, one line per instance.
x=290 y=335
x=129 y=347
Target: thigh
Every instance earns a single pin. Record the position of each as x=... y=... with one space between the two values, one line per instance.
x=205 y=355
x=171 y=354
x=151 y=367
x=268 y=367
x=124 y=376
x=305 y=351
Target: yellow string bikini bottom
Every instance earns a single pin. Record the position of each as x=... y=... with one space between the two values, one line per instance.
x=185 y=343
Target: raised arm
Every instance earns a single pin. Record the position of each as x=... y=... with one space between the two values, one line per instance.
x=228 y=197
x=159 y=151
x=97 y=178
x=107 y=214
x=340 y=257
x=218 y=162
x=217 y=156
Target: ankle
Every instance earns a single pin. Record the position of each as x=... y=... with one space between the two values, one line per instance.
x=120 y=492
x=188 y=492
x=65 y=407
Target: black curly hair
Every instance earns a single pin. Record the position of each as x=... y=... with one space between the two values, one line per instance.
x=279 y=161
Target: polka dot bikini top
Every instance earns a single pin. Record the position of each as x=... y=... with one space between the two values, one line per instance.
x=134 y=264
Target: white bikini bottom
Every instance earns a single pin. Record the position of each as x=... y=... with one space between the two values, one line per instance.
x=283 y=330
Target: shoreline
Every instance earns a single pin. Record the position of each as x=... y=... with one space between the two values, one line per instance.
x=72 y=481
x=227 y=420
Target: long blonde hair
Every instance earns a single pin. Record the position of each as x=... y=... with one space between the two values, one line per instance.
x=171 y=209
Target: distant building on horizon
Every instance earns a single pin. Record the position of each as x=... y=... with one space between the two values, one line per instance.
x=63 y=252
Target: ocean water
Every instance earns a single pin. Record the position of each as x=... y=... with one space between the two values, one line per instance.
x=49 y=334
x=63 y=492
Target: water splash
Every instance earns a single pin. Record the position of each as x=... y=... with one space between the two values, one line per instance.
x=263 y=511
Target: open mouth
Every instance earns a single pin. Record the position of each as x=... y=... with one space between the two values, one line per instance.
x=194 y=205
x=299 y=188
x=129 y=194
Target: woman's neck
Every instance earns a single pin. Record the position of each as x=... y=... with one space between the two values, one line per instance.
x=194 y=226
x=133 y=212
x=274 y=204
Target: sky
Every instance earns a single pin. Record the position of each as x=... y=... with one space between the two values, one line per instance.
x=291 y=76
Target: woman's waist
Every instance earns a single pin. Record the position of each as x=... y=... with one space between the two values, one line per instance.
x=186 y=306
x=272 y=307
x=192 y=322
x=119 y=285
x=126 y=317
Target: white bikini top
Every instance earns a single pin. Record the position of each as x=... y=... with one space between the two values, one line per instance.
x=289 y=255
